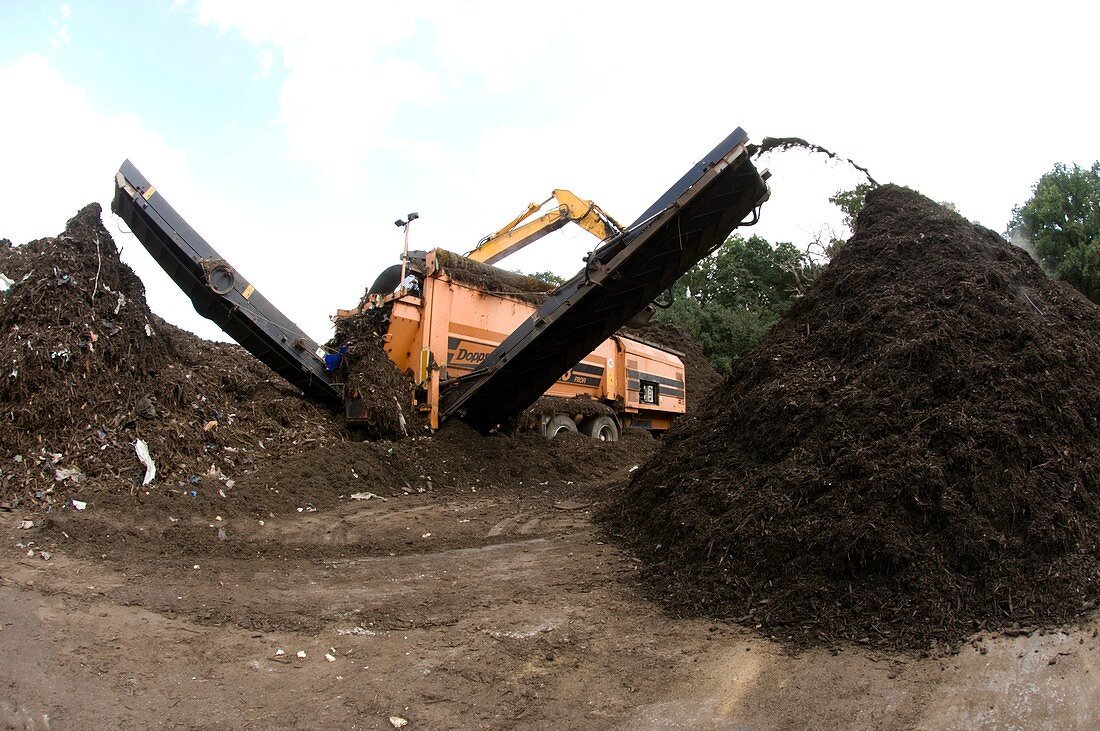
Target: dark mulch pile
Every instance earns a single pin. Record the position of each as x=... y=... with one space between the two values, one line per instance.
x=88 y=371
x=911 y=455
x=456 y=459
x=698 y=372
x=369 y=374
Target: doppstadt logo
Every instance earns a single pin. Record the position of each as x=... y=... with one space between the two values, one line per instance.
x=464 y=354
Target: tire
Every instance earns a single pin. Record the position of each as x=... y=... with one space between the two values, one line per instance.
x=559 y=424
x=603 y=428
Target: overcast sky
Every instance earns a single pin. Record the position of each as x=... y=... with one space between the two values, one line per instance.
x=292 y=134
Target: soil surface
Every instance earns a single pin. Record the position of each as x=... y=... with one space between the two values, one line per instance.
x=911 y=455
x=494 y=609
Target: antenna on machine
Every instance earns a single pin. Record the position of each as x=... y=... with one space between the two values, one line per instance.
x=404 y=224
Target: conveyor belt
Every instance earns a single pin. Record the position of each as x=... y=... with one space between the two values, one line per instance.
x=684 y=225
x=219 y=292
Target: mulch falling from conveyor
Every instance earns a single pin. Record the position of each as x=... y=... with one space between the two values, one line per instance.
x=383 y=391
x=910 y=456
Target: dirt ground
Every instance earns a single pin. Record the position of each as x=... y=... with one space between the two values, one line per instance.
x=482 y=608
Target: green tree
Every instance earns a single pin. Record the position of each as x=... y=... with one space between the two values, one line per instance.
x=1062 y=218
x=548 y=277
x=728 y=300
x=850 y=202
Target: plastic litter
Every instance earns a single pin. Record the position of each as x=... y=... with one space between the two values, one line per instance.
x=398 y=722
x=26 y=524
x=142 y=451
x=79 y=504
x=68 y=473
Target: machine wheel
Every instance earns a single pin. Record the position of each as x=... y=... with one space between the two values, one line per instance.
x=559 y=424
x=603 y=428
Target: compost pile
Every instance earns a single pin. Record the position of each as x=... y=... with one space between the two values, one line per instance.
x=456 y=459
x=89 y=371
x=382 y=391
x=910 y=456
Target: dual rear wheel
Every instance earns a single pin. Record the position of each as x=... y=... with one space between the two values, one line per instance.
x=603 y=427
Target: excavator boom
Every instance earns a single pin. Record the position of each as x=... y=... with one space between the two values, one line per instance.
x=515 y=235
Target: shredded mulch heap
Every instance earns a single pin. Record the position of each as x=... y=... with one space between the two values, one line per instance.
x=385 y=392
x=910 y=456
x=456 y=459
x=88 y=371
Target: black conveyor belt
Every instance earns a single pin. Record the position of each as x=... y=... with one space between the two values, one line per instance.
x=623 y=276
x=218 y=292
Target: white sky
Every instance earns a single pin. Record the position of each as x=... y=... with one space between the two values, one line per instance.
x=292 y=135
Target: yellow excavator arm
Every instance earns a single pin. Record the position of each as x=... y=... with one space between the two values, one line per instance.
x=516 y=234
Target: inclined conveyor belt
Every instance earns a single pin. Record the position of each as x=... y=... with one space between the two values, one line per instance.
x=219 y=292
x=620 y=278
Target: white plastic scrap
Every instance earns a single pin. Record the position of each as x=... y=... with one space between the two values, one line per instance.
x=142 y=450
x=400 y=417
x=121 y=302
x=366 y=496
x=5 y=283
x=26 y=524
x=80 y=504
x=398 y=722
x=149 y=330
x=68 y=473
